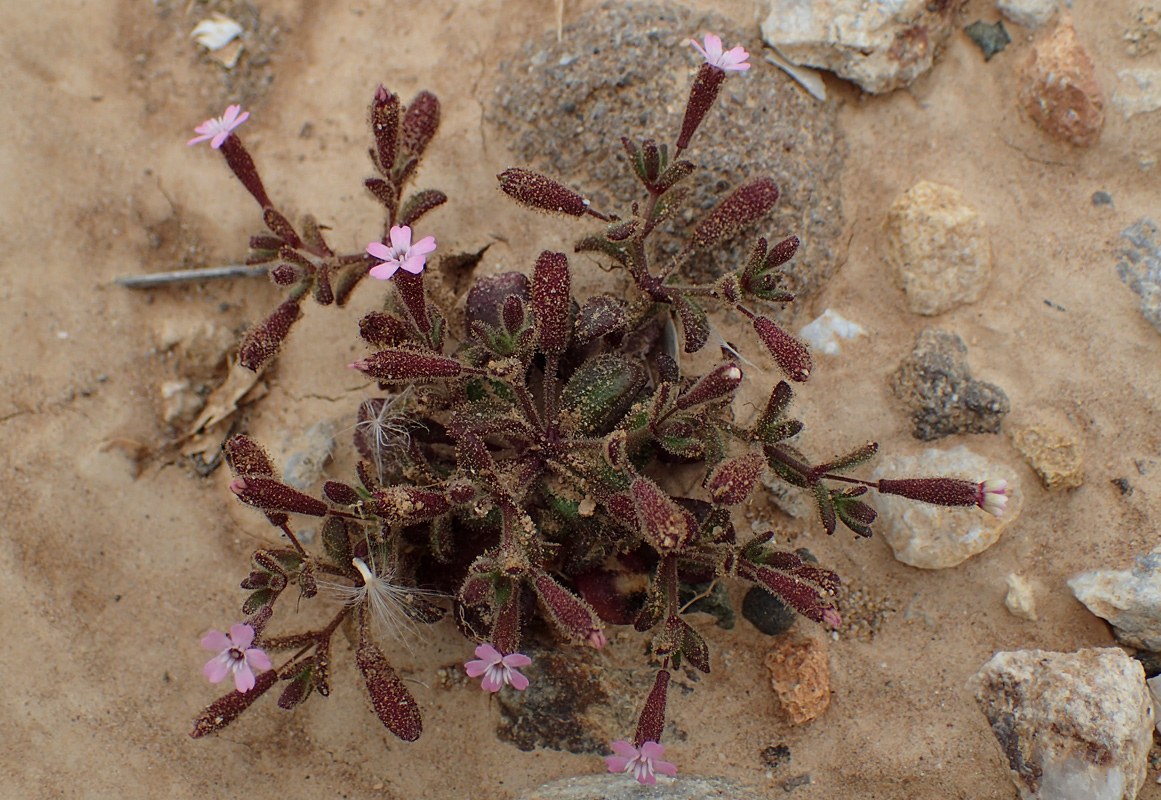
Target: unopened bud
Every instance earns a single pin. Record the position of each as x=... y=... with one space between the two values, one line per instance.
x=791 y=355
x=535 y=190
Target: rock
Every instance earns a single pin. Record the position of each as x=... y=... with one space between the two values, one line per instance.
x=1139 y=91
x=1144 y=31
x=767 y=613
x=825 y=331
x=1129 y=599
x=775 y=756
x=935 y=383
x=938 y=248
x=566 y=104
x=1072 y=726
x=990 y=38
x=1102 y=198
x=306 y=455
x=880 y=46
x=1058 y=458
x=1060 y=89
x=573 y=703
x=800 y=674
x=1140 y=268
x=1029 y=13
x=623 y=787
x=937 y=537
x=179 y=401
x=1019 y=599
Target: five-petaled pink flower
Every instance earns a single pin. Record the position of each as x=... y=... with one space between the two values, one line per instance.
x=497 y=669
x=235 y=655
x=642 y=763
x=993 y=496
x=401 y=254
x=733 y=60
x=216 y=130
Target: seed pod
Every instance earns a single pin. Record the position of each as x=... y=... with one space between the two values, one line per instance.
x=271 y=495
x=228 y=708
x=665 y=524
x=719 y=384
x=420 y=122
x=264 y=342
x=396 y=364
x=652 y=720
x=790 y=354
x=551 y=296
x=537 y=191
x=702 y=94
x=732 y=480
x=747 y=204
x=246 y=457
x=394 y=705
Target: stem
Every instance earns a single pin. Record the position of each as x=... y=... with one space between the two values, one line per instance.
x=293 y=540
x=527 y=406
x=551 y=366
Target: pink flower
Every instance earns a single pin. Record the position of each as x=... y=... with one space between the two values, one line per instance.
x=234 y=656
x=831 y=617
x=402 y=254
x=642 y=763
x=992 y=496
x=219 y=128
x=734 y=60
x=596 y=639
x=497 y=669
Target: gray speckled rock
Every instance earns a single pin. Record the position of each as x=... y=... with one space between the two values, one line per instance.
x=1029 y=13
x=1129 y=599
x=937 y=537
x=880 y=46
x=623 y=787
x=1140 y=268
x=936 y=384
x=1072 y=726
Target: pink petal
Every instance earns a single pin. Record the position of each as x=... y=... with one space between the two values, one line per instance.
x=380 y=250
x=217 y=668
x=231 y=114
x=652 y=750
x=665 y=768
x=216 y=142
x=491 y=682
x=245 y=116
x=385 y=271
x=241 y=636
x=713 y=46
x=423 y=246
x=243 y=678
x=516 y=660
x=518 y=681
x=624 y=749
x=616 y=763
x=216 y=641
x=476 y=668
x=704 y=54
x=645 y=776
x=258 y=659
x=401 y=237
x=489 y=653
x=201 y=138
x=413 y=264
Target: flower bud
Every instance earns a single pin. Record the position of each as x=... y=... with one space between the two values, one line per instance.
x=791 y=355
x=720 y=384
x=747 y=204
x=271 y=495
x=396 y=364
x=385 y=126
x=420 y=122
x=732 y=480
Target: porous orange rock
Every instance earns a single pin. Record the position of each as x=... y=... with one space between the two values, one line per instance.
x=800 y=674
x=1060 y=90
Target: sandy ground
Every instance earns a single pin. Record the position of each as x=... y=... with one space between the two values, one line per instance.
x=114 y=559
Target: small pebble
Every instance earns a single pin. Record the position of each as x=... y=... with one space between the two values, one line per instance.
x=991 y=39
x=1102 y=199
x=766 y=612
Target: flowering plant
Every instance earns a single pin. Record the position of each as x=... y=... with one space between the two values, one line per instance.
x=516 y=466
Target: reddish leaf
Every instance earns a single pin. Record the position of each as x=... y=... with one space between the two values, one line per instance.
x=732 y=480
x=550 y=300
x=746 y=205
x=394 y=705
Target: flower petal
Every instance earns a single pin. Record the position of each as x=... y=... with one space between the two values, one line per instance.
x=423 y=246
x=202 y=138
x=385 y=271
x=492 y=681
x=241 y=636
x=217 y=141
x=713 y=47
x=380 y=251
x=616 y=763
x=258 y=659
x=489 y=653
x=665 y=768
x=476 y=668
x=516 y=660
x=401 y=237
x=217 y=668
x=413 y=264
x=624 y=749
x=231 y=114
x=216 y=641
x=517 y=679
x=243 y=677
x=652 y=750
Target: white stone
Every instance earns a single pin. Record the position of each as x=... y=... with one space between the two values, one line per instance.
x=1129 y=599
x=1029 y=13
x=825 y=331
x=1139 y=91
x=1019 y=599
x=809 y=79
x=879 y=44
x=936 y=537
x=216 y=32
x=1072 y=726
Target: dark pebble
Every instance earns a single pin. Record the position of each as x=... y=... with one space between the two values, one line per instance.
x=775 y=756
x=991 y=39
x=1102 y=199
x=767 y=613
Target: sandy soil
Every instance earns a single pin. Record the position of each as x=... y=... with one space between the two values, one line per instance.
x=115 y=558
